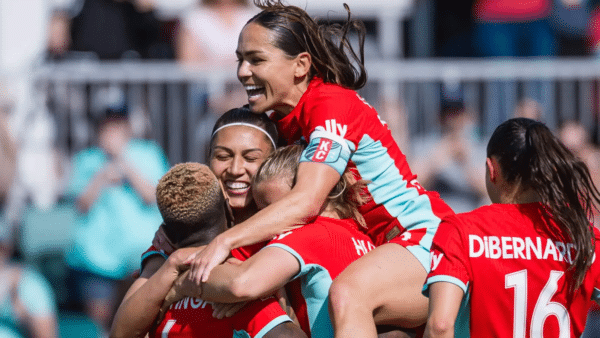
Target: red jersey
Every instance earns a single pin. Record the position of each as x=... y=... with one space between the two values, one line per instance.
x=512 y=263
x=324 y=248
x=192 y=317
x=342 y=130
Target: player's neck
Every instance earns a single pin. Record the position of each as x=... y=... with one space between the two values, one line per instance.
x=520 y=196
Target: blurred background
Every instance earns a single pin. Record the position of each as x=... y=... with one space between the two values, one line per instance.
x=94 y=93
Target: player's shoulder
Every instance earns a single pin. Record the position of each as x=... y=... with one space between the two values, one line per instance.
x=332 y=93
x=479 y=217
x=482 y=213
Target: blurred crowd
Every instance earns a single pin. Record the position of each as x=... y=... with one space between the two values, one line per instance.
x=74 y=224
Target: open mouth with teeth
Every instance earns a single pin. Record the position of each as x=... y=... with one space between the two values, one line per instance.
x=254 y=91
x=237 y=188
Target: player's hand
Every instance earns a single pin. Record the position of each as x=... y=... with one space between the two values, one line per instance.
x=202 y=262
x=179 y=258
x=221 y=310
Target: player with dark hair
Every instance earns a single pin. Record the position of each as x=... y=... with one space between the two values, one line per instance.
x=527 y=260
x=307 y=259
x=304 y=74
x=192 y=205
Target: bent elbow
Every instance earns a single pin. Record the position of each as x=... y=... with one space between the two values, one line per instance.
x=440 y=327
x=243 y=289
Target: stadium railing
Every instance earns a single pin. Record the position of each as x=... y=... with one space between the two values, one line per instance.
x=174 y=100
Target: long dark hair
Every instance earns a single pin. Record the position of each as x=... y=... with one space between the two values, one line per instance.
x=530 y=155
x=333 y=57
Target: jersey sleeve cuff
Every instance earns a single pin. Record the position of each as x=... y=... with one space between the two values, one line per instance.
x=272 y=324
x=293 y=253
x=149 y=254
x=443 y=278
x=596 y=295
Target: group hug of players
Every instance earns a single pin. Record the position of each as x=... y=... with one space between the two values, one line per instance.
x=308 y=221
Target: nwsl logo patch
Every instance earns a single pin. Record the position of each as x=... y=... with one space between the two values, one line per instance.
x=325 y=150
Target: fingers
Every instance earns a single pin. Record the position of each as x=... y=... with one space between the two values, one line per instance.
x=205 y=260
x=221 y=311
x=235 y=308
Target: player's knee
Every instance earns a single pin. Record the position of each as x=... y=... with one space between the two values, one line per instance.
x=344 y=292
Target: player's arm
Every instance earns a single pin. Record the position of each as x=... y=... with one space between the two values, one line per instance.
x=300 y=205
x=261 y=275
x=444 y=303
x=142 y=303
x=286 y=330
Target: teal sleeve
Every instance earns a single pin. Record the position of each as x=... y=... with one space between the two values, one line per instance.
x=84 y=166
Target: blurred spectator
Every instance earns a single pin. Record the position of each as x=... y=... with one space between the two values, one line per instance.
x=513 y=28
x=109 y=29
x=209 y=32
x=575 y=136
x=27 y=304
x=451 y=162
x=528 y=108
x=569 y=22
x=114 y=187
x=8 y=152
x=453 y=28
x=593 y=31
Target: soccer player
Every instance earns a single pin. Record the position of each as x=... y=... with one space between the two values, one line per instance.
x=191 y=203
x=524 y=266
x=305 y=75
x=308 y=258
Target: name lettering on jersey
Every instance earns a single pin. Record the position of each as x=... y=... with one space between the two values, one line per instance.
x=193 y=303
x=283 y=235
x=362 y=246
x=520 y=248
x=435 y=260
x=363 y=100
x=335 y=128
x=322 y=150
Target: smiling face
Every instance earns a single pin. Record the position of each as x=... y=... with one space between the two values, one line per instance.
x=272 y=79
x=236 y=154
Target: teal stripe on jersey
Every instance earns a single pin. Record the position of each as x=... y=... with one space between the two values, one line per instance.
x=240 y=334
x=150 y=254
x=272 y=324
x=443 y=278
x=462 y=326
x=596 y=295
x=389 y=188
x=315 y=283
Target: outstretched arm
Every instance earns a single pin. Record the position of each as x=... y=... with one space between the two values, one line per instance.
x=261 y=275
x=444 y=304
x=303 y=203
